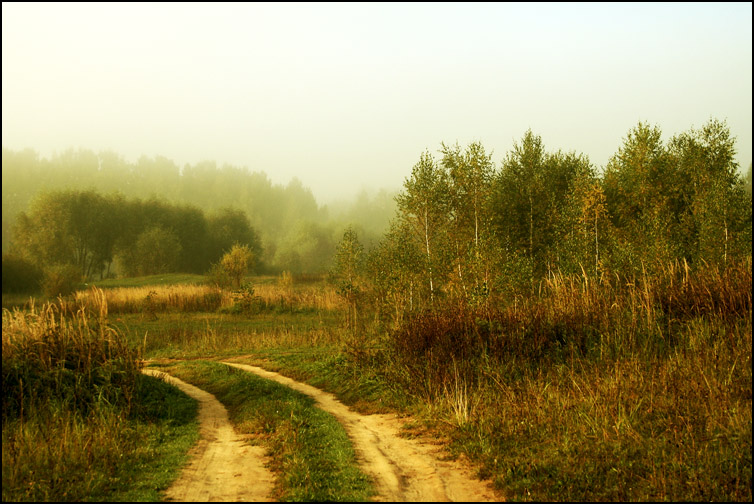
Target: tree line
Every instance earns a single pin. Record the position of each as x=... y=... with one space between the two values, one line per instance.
x=90 y=232
x=296 y=233
x=468 y=232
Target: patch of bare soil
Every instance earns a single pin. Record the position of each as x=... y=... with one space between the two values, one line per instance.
x=222 y=467
x=403 y=469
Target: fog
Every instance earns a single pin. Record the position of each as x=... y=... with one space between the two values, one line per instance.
x=347 y=96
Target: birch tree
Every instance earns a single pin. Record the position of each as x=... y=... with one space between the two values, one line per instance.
x=423 y=205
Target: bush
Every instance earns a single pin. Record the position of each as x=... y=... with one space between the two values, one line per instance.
x=61 y=280
x=20 y=275
x=237 y=262
x=218 y=277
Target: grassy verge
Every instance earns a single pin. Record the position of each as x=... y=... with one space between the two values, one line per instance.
x=359 y=382
x=58 y=455
x=79 y=421
x=309 y=448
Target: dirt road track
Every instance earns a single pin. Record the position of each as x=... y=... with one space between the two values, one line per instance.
x=223 y=466
x=403 y=469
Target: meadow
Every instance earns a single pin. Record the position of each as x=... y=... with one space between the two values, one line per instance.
x=587 y=390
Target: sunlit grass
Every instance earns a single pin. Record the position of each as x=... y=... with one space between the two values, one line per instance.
x=80 y=422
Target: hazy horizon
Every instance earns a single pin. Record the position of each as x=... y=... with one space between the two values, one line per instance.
x=346 y=97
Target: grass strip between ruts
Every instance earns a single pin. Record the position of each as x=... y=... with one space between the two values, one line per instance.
x=311 y=453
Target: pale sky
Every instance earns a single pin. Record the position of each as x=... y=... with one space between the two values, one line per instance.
x=347 y=96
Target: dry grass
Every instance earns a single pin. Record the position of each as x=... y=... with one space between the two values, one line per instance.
x=189 y=298
x=306 y=296
x=621 y=389
x=74 y=402
x=156 y=298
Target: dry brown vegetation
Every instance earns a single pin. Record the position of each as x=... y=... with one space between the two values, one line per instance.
x=617 y=389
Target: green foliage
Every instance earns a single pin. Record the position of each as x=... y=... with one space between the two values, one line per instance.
x=157 y=250
x=230 y=227
x=236 y=263
x=147 y=237
x=307 y=247
x=219 y=277
x=20 y=275
x=205 y=187
x=348 y=271
x=423 y=206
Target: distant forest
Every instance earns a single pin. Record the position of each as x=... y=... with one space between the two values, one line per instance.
x=291 y=231
x=460 y=227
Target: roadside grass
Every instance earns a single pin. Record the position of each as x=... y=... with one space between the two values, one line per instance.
x=360 y=385
x=607 y=391
x=80 y=422
x=310 y=450
x=585 y=392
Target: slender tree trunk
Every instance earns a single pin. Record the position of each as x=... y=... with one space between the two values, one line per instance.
x=429 y=258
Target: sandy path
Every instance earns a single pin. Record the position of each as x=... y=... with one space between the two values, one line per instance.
x=223 y=466
x=403 y=469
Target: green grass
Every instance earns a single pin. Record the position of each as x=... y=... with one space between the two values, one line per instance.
x=311 y=452
x=80 y=421
x=357 y=381
x=60 y=455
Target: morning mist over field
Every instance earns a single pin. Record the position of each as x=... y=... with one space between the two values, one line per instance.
x=347 y=96
x=377 y=252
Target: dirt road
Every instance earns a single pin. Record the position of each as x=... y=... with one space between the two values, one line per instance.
x=403 y=469
x=223 y=466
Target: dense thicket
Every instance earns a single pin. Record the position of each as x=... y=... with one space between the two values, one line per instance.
x=470 y=236
x=92 y=232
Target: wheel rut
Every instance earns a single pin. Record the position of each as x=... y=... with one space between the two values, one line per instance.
x=223 y=467
x=402 y=469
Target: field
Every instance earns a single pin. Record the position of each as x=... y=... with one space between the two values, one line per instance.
x=586 y=391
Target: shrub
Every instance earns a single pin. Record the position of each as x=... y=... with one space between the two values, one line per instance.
x=218 y=277
x=237 y=262
x=61 y=280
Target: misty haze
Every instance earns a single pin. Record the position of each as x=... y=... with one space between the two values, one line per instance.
x=392 y=252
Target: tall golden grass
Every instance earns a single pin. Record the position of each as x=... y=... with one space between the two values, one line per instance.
x=69 y=384
x=56 y=354
x=615 y=389
x=204 y=298
x=157 y=298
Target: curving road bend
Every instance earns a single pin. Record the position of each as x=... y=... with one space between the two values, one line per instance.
x=403 y=470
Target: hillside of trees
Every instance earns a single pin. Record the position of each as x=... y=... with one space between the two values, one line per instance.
x=292 y=232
